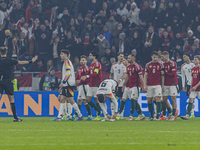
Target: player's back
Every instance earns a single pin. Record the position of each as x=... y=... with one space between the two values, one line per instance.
x=107 y=86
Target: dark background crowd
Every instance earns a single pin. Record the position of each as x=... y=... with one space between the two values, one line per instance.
x=45 y=27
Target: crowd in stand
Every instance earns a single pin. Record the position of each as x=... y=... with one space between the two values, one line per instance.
x=45 y=27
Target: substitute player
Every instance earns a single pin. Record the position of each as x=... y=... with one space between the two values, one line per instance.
x=67 y=86
x=118 y=73
x=135 y=79
x=83 y=85
x=170 y=85
x=95 y=78
x=154 y=72
x=107 y=89
x=195 y=90
x=6 y=73
x=186 y=74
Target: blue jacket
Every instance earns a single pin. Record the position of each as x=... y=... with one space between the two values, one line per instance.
x=108 y=35
x=192 y=54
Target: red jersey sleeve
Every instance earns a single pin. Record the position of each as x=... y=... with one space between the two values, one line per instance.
x=146 y=68
x=96 y=70
x=139 y=70
x=173 y=70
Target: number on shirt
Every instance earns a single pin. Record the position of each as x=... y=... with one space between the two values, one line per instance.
x=118 y=71
x=154 y=70
x=103 y=84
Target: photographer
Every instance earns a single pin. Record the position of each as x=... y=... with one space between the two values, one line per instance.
x=49 y=81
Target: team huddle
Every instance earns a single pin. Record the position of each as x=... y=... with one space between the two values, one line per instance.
x=125 y=82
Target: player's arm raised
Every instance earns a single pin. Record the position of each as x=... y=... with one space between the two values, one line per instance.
x=28 y=62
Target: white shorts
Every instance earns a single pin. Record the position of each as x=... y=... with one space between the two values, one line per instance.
x=92 y=92
x=154 y=91
x=127 y=93
x=81 y=92
x=195 y=94
x=170 y=91
x=135 y=92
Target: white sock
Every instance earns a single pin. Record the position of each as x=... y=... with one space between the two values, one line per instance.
x=155 y=108
x=104 y=108
x=75 y=106
x=69 y=107
x=62 y=107
x=192 y=111
x=65 y=110
x=112 y=108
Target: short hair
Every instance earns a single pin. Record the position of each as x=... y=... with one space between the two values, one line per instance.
x=65 y=52
x=126 y=57
x=187 y=54
x=154 y=53
x=101 y=98
x=197 y=56
x=3 y=50
x=83 y=56
x=165 y=53
x=94 y=53
x=119 y=53
x=132 y=55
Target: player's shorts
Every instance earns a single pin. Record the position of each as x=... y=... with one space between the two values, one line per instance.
x=188 y=90
x=195 y=94
x=92 y=92
x=135 y=92
x=127 y=93
x=119 y=92
x=7 y=86
x=170 y=91
x=82 y=92
x=154 y=91
x=68 y=91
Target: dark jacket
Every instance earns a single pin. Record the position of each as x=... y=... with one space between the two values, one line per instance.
x=91 y=47
x=127 y=49
x=59 y=48
x=91 y=32
x=15 y=15
x=146 y=15
x=161 y=19
x=27 y=66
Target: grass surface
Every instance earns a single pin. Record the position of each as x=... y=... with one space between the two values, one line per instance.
x=40 y=133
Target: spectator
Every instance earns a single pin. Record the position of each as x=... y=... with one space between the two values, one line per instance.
x=125 y=22
x=74 y=8
x=128 y=5
x=177 y=42
x=111 y=24
x=25 y=57
x=176 y=25
x=37 y=23
x=106 y=10
x=190 y=37
x=98 y=25
x=15 y=32
x=13 y=49
x=76 y=64
x=17 y=13
x=124 y=44
x=197 y=32
x=92 y=46
x=108 y=35
x=196 y=42
x=79 y=47
x=37 y=12
x=86 y=40
x=117 y=17
x=29 y=14
x=170 y=11
x=49 y=64
x=49 y=81
x=66 y=17
x=160 y=21
x=23 y=43
x=70 y=44
x=60 y=26
x=4 y=12
x=136 y=44
x=6 y=38
x=79 y=21
x=165 y=42
x=89 y=30
x=196 y=23
x=108 y=54
x=52 y=16
x=102 y=16
x=116 y=34
x=104 y=63
x=194 y=52
x=110 y=64
x=122 y=10
x=115 y=5
x=103 y=44
x=150 y=42
x=134 y=14
x=38 y=66
x=186 y=47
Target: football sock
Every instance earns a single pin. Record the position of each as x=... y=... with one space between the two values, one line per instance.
x=65 y=110
x=75 y=106
x=69 y=107
x=138 y=109
x=13 y=110
x=79 y=106
x=150 y=107
x=133 y=106
x=121 y=108
x=155 y=102
x=174 y=111
x=163 y=109
x=169 y=110
x=62 y=107
x=112 y=108
x=158 y=107
x=98 y=109
x=189 y=108
x=92 y=105
x=88 y=109
x=104 y=109
x=192 y=111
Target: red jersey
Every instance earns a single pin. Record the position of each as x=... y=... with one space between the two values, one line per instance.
x=127 y=84
x=83 y=71
x=133 y=72
x=154 y=73
x=170 y=73
x=196 y=77
x=95 y=74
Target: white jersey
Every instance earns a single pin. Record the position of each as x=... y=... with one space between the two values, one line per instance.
x=118 y=71
x=108 y=86
x=186 y=71
x=68 y=73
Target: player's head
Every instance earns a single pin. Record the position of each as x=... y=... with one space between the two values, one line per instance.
x=186 y=57
x=120 y=56
x=154 y=56
x=101 y=98
x=64 y=55
x=93 y=55
x=3 y=50
x=131 y=58
x=83 y=60
x=125 y=61
x=165 y=56
x=196 y=59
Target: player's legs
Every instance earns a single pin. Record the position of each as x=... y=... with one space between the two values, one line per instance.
x=13 y=108
x=98 y=108
x=115 y=103
x=79 y=102
x=158 y=106
x=90 y=94
x=75 y=106
x=174 y=105
x=167 y=104
x=150 y=107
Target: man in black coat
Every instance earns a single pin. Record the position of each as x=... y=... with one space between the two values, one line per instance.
x=146 y=13
x=124 y=44
x=93 y=46
x=17 y=13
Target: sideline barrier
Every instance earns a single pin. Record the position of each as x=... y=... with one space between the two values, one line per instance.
x=45 y=104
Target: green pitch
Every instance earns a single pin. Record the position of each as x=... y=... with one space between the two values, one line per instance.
x=41 y=134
